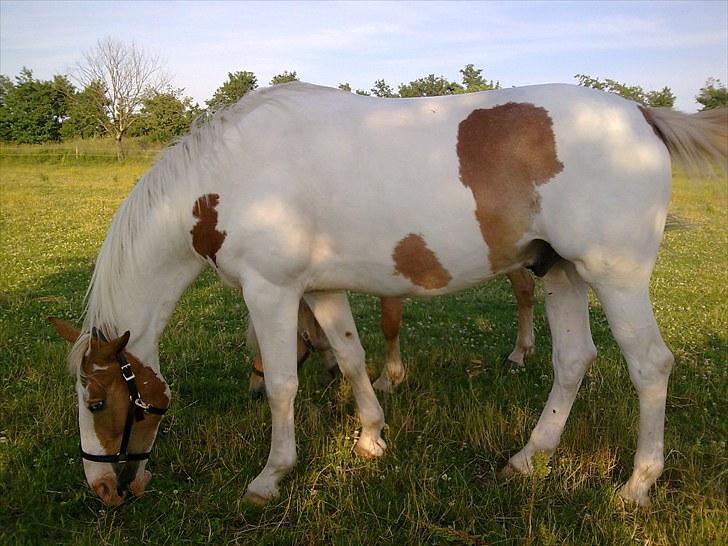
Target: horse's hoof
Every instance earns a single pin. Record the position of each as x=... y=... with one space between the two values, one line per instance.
x=254 y=499
x=367 y=448
x=512 y=366
x=509 y=471
x=631 y=496
x=383 y=384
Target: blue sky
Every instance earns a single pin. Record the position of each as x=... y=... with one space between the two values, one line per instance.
x=652 y=44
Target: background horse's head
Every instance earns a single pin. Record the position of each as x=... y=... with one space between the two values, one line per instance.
x=117 y=426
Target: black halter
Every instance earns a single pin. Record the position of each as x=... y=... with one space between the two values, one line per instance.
x=137 y=409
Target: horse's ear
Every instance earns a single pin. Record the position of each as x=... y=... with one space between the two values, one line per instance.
x=66 y=331
x=118 y=344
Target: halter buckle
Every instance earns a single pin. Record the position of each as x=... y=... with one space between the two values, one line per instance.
x=124 y=368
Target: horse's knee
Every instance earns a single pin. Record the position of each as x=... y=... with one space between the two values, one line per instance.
x=281 y=390
x=653 y=369
x=571 y=364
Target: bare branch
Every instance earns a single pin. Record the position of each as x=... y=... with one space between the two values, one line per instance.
x=127 y=74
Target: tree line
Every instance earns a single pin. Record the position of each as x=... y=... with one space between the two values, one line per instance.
x=120 y=90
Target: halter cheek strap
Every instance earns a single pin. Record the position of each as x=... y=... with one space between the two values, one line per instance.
x=136 y=410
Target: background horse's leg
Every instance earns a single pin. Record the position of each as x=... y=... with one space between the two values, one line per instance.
x=391 y=321
x=522 y=284
x=573 y=350
x=274 y=312
x=333 y=314
x=633 y=325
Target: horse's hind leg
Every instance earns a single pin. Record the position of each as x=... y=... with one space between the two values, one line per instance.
x=333 y=314
x=633 y=325
x=523 y=285
x=573 y=350
x=391 y=322
x=274 y=311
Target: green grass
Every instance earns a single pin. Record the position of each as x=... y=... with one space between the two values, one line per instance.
x=79 y=151
x=451 y=425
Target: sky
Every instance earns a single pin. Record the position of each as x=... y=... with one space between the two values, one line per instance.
x=651 y=44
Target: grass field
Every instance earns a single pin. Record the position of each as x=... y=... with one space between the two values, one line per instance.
x=451 y=425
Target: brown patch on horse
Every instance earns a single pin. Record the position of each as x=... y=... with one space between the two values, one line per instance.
x=504 y=153
x=419 y=264
x=206 y=239
x=102 y=378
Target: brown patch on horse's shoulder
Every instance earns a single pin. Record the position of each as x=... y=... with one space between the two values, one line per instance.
x=206 y=239
x=419 y=264
x=504 y=152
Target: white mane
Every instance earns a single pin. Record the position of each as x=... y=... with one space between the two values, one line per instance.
x=171 y=178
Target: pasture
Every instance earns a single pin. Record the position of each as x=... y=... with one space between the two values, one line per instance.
x=451 y=425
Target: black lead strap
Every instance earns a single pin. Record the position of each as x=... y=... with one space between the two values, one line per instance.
x=136 y=411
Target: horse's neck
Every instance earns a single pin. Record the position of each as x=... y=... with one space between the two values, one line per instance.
x=164 y=268
x=156 y=305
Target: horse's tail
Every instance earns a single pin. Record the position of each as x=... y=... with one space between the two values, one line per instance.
x=699 y=141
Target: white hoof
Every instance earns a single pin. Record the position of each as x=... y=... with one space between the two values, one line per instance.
x=259 y=495
x=370 y=448
x=640 y=498
x=383 y=384
x=517 y=465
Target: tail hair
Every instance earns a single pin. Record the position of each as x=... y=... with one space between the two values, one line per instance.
x=698 y=141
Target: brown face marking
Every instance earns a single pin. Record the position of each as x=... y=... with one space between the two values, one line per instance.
x=419 y=264
x=504 y=153
x=103 y=380
x=206 y=239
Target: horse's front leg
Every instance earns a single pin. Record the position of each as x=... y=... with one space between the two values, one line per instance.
x=333 y=314
x=274 y=311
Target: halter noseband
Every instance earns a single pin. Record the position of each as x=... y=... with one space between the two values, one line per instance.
x=135 y=412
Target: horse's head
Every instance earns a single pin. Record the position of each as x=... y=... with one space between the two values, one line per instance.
x=120 y=406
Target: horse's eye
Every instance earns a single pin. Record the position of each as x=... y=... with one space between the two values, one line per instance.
x=96 y=406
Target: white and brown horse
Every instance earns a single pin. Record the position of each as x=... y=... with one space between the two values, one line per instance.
x=312 y=338
x=305 y=191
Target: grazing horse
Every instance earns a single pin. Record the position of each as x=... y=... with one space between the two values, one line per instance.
x=312 y=338
x=306 y=191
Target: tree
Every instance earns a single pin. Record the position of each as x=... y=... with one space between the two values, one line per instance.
x=128 y=74
x=430 y=86
x=664 y=97
x=344 y=86
x=383 y=89
x=238 y=84
x=474 y=81
x=86 y=113
x=713 y=95
x=31 y=110
x=284 y=77
x=167 y=115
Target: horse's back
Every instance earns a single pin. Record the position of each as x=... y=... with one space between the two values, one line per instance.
x=344 y=181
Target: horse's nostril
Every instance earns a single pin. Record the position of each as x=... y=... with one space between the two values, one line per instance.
x=106 y=489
